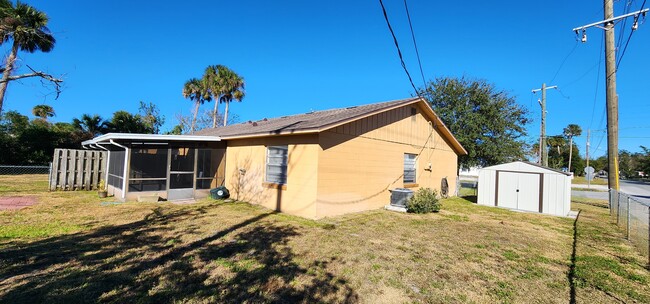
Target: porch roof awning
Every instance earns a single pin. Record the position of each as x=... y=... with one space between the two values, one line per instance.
x=106 y=138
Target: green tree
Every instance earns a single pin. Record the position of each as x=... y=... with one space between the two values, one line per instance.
x=196 y=90
x=125 y=122
x=570 y=131
x=232 y=86
x=487 y=121
x=27 y=28
x=43 y=111
x=644 y=162
x=225 y=86
x=555 y=152
x=151 y=117
x=91 y=125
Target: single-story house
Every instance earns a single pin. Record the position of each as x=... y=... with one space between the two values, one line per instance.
x=525 y=186
x=316 y=164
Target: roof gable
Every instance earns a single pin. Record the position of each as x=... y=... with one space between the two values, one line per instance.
x=314 y=122
x=525 y=166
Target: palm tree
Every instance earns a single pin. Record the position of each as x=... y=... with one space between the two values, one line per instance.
x=224 y=86
x=43 y=111
x=27 y=28
x=212 y=83
x=570 y=131
x=232 y=86
x=196 y=91
x=93 y=125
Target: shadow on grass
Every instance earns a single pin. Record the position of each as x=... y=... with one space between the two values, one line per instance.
x=471 y=198
x=248 y=261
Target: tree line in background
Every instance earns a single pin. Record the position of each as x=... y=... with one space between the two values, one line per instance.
x=491 y=125
x=28 y=142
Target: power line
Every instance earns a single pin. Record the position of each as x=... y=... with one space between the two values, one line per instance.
x=399 y=51
x=620 y=58
x=417 y=53
x=600 y=62
x=564 y=61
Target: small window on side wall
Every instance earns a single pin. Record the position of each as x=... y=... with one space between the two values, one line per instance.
x=409 y=168
x=276 y=164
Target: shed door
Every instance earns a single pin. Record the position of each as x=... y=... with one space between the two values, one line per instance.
x=518 y=190
x=528 y=192
x=507 y=189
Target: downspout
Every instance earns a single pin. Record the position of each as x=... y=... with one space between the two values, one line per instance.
x=126 y=166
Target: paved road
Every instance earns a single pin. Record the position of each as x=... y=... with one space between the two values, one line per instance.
x=639 y=190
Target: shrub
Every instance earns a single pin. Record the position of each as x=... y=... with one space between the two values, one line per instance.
x=425 y=200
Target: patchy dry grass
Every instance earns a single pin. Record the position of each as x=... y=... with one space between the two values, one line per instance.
x=69 y=248
x=582 y=181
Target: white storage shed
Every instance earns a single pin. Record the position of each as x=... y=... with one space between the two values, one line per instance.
x=525 y=186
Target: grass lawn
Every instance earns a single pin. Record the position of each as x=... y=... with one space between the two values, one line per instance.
x=69 y=248
x=582 y=181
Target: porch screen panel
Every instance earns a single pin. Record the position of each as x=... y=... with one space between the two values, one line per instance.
x=207 y=163
x=116 y=168
x=148 y=170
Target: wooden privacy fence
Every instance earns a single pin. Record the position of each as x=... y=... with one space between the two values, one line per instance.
x=77 y=169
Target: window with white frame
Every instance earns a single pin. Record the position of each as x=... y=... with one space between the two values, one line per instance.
x=276 y=164
x=409 y=168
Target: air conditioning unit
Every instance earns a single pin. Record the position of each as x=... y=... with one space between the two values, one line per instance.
x=399 y=197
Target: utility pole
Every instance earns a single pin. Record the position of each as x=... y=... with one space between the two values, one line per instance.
x=610 y=77
x=542 y=144
x=612 y=98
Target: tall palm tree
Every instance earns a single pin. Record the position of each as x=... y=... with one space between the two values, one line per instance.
x=196 y=90
x=570 y=131
x=43 y=111
x=27 y=28
x=232 y=86
x=93 y=125
x=225 y=86
x=212 y=83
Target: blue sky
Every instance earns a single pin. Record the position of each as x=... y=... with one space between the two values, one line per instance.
x=298 y=56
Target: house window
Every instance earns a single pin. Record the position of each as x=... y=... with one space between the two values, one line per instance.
x=409 y=168
x=276 y=164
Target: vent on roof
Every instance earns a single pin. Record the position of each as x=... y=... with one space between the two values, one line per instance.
x=254 y=124
x=351 y=107
x=265 y=119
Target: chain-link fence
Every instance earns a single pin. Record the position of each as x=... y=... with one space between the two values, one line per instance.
x=467 y=188
x=633 y=216
x=18 y=170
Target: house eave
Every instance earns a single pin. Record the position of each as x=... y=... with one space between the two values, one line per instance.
x=106 y=138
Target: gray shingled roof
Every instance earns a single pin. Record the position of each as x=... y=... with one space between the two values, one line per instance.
x=314 y=121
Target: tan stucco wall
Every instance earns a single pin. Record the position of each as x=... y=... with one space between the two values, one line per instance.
x=361 y=161
x=299 y=195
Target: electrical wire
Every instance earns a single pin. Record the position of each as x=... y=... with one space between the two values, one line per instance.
x=564 y=61
x=620 y=58
x=399 y=51
x=417 y=53
x=600 y=62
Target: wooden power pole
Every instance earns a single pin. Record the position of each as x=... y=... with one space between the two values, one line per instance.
x=610 y=77
x=542 y=144
x=612 y=99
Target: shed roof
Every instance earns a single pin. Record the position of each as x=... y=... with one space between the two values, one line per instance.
x=520 y=165
x=318 y=121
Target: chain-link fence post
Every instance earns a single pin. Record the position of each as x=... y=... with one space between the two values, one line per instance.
x=627 y=230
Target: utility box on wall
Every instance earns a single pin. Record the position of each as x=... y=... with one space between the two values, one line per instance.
x=525 y=186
